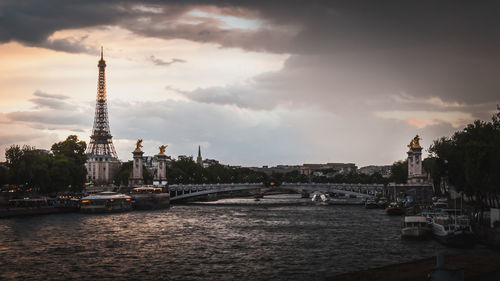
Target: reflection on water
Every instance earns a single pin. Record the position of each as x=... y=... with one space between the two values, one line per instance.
x=264 y=240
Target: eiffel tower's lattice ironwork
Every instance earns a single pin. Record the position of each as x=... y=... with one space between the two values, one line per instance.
x=101 y=143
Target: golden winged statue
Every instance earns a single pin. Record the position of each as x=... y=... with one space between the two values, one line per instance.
x=138 y=145
x=415 y=143
x=162 y=149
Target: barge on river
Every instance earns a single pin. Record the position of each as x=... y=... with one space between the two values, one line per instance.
x=106 y=202
x=38 y=206
x=415 y=227
x=150 y=198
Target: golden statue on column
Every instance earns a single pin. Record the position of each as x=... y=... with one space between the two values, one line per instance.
x=415 y=143
x=162 y=149
x=138 y=145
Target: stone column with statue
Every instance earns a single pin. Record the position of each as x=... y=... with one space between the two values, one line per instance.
x=415 y=174
x=136 y=176
x=160 y=178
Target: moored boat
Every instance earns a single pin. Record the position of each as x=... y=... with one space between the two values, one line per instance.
x=320 y=198
x=106 y=202
x=453 y=230
x=149 y=198
x=415 y=227
x=371 y=204
x=395 y=209
x=37 y=206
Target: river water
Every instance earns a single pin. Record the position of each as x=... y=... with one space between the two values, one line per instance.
x=281 y=237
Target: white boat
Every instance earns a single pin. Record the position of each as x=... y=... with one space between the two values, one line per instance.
x=371 y=204
x=452 y=230
x=106 y=202
x=150 y=197
x=319 y=197
x=415 y=227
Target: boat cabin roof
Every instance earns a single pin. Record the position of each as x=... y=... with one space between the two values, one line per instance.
x=106 y=195
x=30 y=200
x=147 y=188
x=415 y=219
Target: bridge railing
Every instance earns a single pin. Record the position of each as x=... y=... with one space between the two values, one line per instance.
x=179 y=191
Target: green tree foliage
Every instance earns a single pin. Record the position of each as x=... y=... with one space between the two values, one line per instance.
x=434 y=167
x=4 y=176
x=186 y=171
x=48 y=173
x=399 y=171
x=470 y=159
x=68 y=169
x=124 y=173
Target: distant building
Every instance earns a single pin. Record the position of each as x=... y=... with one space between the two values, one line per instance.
x=280 y=169
x=209 y=162
x=384 y=170
x=335 y=168
x=149 y=162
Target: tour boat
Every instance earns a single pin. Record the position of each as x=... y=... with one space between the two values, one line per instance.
x=415 y=227
x=149 y=197
x=452 y=230
x=395 y=209
x=106 y=202
x=37 y=206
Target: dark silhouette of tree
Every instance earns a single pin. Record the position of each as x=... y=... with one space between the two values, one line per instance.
x=470 y=159
x=399 y=171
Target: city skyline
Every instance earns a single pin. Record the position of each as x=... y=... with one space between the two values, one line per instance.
x=250 y=83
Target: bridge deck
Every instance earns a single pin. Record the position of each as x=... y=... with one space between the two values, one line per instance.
x=178 y=192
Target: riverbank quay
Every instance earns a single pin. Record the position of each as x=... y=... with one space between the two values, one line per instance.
x=482 y=265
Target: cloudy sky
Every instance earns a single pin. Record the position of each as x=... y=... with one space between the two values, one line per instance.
x=253 y=83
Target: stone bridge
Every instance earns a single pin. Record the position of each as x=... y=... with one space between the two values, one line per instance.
x=180 y=191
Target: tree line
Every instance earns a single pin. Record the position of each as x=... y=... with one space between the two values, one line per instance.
x=469 y=161
x=186 y=171
x=31 y=169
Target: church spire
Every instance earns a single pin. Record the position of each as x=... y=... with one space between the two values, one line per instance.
x=199 y=160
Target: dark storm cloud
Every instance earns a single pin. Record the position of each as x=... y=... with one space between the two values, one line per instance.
x=68 y=45
x=161 y=62
x=325 y=26
x=345 y=55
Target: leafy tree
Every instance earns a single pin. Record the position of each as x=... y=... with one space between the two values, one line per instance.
x=470 y=159
x=68 y=168
x=124 y=173
x=399 y=171
x=48 y=173
x=434 y=167
x=28 y=167
x=4 y=176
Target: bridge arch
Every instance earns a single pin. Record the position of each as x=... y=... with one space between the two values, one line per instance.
x=179 y=191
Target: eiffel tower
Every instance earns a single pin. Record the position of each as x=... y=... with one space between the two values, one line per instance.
x=102 y=160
